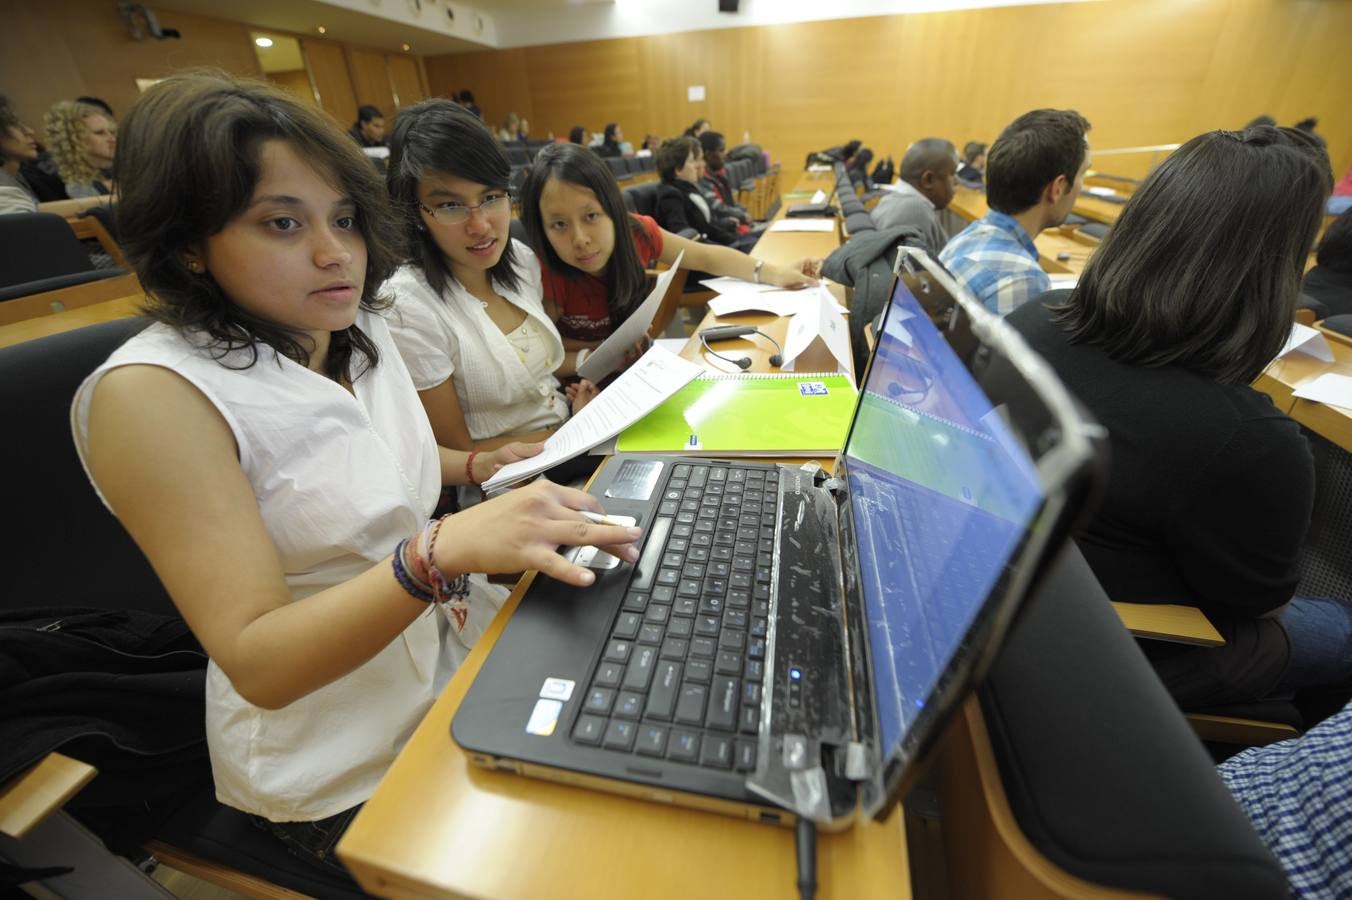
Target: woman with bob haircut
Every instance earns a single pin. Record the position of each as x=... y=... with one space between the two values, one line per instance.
x=469 y=317
x=594 y=251
x=266 y=423
x=1186 y=301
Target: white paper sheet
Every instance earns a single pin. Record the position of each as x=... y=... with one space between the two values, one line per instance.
x=819 y=197
x=726 y=285
x=1307 y=340
x=779 y=302
x=818 y=318
x=608 y=357
x=1335 y=390
x=822 y=225
x=633 y=395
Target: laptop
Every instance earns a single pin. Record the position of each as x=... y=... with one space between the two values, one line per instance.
x=792 y=641
x=813 y=210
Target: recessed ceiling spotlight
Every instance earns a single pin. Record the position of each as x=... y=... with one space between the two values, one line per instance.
x=406 y=47
x=323 y=30
x=263 y=41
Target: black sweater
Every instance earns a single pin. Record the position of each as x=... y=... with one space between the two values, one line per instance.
x=1210 y=486
x=676 y=212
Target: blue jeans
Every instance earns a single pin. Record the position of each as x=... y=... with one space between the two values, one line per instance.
x=1320 y=631
x=314 y=842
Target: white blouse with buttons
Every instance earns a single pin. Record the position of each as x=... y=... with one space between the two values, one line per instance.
x=505 y=382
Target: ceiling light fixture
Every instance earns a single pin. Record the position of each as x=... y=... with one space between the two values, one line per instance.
x=263 y=41
x=323 y=30
x=406 y=47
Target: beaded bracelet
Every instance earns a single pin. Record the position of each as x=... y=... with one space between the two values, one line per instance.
x=414 y=586
x=469 y=467
x=452 y=592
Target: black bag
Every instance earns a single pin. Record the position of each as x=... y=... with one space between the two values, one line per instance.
x=884 y=172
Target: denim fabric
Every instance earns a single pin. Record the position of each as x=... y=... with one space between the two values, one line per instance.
x=1320 y=632
x=314 y=841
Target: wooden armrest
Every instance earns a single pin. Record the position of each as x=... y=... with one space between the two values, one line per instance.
x=1169 y=622
x=41 y=791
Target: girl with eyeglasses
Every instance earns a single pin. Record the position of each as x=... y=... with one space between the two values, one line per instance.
x=469 y=317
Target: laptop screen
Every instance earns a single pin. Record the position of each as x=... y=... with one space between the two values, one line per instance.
x=941 y=495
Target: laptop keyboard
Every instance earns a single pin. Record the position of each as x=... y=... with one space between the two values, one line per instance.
x=683 y=668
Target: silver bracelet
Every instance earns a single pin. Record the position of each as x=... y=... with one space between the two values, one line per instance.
x=756 y=272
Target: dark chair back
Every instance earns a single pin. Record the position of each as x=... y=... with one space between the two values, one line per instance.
x=47 y=493
x=38 y=246
x=644 y=197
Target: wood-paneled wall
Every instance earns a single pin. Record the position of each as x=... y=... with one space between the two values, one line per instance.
x=61 y=49
x=1143 y=71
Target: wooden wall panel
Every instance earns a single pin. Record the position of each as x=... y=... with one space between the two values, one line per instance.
x=370 y=79
x=61 y=49
x=296 y=83
x=1143 y=71
x=328 y=70
x=404 y=80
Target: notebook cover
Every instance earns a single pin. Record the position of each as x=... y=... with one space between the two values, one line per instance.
x=749 y=414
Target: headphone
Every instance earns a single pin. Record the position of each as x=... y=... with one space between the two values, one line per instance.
x=724 y=332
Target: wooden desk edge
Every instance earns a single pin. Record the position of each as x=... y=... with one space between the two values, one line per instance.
x=1169 y=622
x=31 y=797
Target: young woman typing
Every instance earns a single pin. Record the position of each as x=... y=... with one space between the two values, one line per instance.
x=263 y=444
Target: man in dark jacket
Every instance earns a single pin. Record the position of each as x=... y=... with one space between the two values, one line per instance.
x=369 y=129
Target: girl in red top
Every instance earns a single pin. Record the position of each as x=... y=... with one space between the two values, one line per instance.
x=593 y=252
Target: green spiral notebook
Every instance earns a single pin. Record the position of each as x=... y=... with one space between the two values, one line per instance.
x=749 y=414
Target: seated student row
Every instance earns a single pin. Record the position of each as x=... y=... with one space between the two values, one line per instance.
x=268 y=415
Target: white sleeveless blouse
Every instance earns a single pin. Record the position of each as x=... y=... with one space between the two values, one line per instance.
x=340 y=479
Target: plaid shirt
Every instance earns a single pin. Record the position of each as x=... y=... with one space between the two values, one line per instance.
x=997 y=261
x=1298 y=793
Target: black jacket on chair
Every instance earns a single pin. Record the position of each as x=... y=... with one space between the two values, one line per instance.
x=676 y=210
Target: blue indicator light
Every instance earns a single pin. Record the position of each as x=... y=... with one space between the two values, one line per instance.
x=795 y=674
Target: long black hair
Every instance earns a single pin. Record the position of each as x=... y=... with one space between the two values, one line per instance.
x=1204 y=265
x=626 y=282
x=441 y=136
x=188 y=162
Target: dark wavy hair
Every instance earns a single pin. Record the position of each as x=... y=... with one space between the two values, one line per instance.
x=187 y=163
x=626 y=281
x=1199 y=273
x=440 y=136
x=1029 y=154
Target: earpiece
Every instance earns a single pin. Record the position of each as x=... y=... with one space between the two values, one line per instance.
x=723 y=332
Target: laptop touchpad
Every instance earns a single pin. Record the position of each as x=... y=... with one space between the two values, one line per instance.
x=592 y=558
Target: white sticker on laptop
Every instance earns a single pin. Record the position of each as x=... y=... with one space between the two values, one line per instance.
x=557 y=689
x=544 y=717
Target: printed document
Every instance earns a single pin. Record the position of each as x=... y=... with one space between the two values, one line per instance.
x=608 y=357
x=637 y=392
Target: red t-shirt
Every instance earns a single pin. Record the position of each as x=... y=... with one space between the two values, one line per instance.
x=581 y=300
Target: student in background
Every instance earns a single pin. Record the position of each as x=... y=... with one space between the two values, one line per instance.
x=594 y=251
x=716 y=174
x=1329 y=283
x=973 y=169
x=466 y=99
x=17 y=146
x=1298 y=794
x=369 y=129
x=469 y=317
x=83 y=142
x=1034 y=173
x=511 y=129
x=680 y=204
x=697 y=128
x=928 y=180
x=579 y=135
x=610 y=144
x=266 y=420
x=1211 y=487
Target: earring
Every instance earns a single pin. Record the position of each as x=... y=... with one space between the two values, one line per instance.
x=194 y=267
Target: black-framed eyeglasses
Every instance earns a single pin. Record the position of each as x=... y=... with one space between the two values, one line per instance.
x=458 y=213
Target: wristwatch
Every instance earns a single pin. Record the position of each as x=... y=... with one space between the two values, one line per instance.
x=756 y=271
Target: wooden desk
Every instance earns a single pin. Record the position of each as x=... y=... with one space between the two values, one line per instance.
x=1281 y=378
x=1097 y=209
x=439 y=826
x=41 y=326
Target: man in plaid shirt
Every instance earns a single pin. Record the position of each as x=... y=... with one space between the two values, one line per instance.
x=1034 y=173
